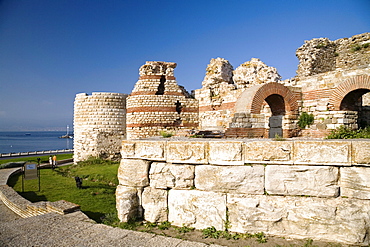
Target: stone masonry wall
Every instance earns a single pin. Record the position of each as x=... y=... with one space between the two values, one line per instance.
x=322 y=55
x=158 y=103
x=317 y=98
x=300 y=189
x=99 y=125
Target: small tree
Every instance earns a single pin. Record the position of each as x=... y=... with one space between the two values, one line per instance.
x=305 y=119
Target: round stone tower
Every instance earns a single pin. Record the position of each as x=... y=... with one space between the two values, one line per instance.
x=99 y=125
x=157 y=103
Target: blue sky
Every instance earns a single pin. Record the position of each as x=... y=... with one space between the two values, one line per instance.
x=52 y=50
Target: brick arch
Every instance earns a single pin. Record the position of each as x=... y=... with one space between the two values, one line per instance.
x=252 y=99
x=360 y=83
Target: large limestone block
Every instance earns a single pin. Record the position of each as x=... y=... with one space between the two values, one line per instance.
x=355 y=182
x=233 y=179
x=321 y=181
x=127 y=203
x=164 y=175
x=322 y=152
x=226 y=153
x=268 y=152
x=134 y=172
x=197 y=209
x=154 y=202
x=361 y=152
x=333 y=220
x=150 y=150
x=191 y=152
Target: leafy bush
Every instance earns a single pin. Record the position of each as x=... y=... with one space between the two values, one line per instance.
x=166 y=134
x=343 y=132
x=305 y=119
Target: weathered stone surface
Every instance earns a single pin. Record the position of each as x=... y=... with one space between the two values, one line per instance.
x=164 y=175
x=128 y=149
x=268 y=151
x=226 y=153
x=151 y=150
x=133 y=172
x=321 y=181
x=197 y=209
x=187 y=152
x=334 y=220
x=218 y=70
x=232 y=179
x=355 y=182
x=320 y=152
x=154 y=202
x=360 y=152
x=127 y=203
x=254 y=72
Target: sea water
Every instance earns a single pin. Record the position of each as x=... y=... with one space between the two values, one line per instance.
x=22 y=141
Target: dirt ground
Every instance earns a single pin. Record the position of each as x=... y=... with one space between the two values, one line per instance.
x=197 y=236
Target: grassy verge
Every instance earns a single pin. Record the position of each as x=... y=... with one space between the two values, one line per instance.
x=44 y=158
x=96 y=198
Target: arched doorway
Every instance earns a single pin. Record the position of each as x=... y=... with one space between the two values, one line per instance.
x=275 y=121
x=282 y=104
x=348 y=97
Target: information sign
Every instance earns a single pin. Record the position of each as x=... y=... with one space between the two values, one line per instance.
x=30 y=171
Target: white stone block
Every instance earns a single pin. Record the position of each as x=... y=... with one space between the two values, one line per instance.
x=268 y=152
x=361 y=152
x=127 y=203
x=226 y=153
x=190 y=152
x=133 y=172
x=154 y=202
x=197 y=209
x=322 y=152
x=150 y=150
x=233 y=179
x=355 y=182
x=321 y=181
x=332 y=220
x=164 y=175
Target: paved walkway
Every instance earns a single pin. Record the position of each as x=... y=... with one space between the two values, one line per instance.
x=74 y=229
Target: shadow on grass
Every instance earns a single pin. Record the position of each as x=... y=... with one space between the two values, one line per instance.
x=96 y=216
x=32 y=196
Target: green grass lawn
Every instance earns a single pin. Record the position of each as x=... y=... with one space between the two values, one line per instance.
x=96 y=198
x=43 y=159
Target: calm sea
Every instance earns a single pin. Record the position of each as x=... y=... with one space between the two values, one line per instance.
x=22 y=141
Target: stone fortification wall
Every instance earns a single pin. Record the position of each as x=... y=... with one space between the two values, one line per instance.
x=99 y=125
x=300 y=189
x=322 y=55
x=157 y=103
x=222 y=87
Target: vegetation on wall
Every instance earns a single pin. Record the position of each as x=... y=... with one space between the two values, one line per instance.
x=343 y=132
x=305 y=119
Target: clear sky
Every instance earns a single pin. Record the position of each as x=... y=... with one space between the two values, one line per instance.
x=52 y=50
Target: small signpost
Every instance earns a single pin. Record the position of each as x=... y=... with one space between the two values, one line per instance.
x=31 y=171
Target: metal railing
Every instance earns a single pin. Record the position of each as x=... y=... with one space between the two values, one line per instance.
x=35 y=153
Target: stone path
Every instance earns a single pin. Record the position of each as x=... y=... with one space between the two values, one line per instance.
x=74 y=229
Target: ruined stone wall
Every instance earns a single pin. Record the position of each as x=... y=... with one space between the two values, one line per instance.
x=322 y=55
x=99 y=125
x=318 y=93
x=158 y=104
x=300 y=189
x=222 y=87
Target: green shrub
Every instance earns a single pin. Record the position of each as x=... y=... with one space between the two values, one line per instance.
x=305 y=119
x=343 y=132
x=166 y=134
